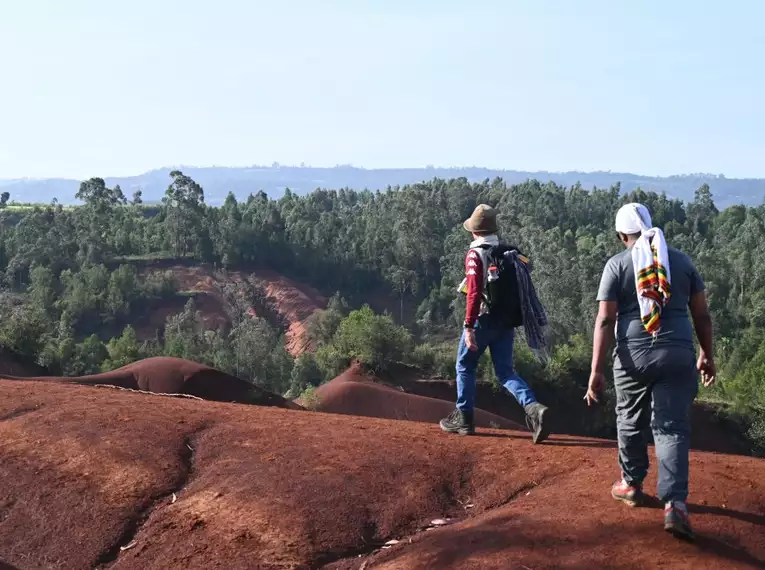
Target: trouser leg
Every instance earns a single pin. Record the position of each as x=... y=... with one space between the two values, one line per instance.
x=502 y=348
x=633 y=416
x=467 y=363
x=673 y=397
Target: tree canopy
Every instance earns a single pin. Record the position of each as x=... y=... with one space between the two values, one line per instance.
x=68 y=273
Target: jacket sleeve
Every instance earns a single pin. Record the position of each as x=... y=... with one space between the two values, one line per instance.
x=474 y=275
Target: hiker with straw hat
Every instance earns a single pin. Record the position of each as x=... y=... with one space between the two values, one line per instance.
x=500 y=297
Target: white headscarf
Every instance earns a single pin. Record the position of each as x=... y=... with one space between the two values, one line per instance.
x=633 y=219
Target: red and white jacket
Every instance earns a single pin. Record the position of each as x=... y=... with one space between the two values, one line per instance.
x=475 y=279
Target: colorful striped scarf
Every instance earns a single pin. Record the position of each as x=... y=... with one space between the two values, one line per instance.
x=650 y=260
x=652 y=278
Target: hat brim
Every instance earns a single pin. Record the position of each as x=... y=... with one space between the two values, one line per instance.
x=468 y=226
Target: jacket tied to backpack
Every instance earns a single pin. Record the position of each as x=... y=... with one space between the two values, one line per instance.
x=509 y=296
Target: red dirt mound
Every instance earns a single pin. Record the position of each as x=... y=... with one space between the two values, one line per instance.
x=357 y=393
x=177 y=376
x=93 y=478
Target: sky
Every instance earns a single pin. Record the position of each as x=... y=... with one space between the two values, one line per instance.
x=94 y=88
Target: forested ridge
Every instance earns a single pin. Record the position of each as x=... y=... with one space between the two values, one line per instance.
x=274 y=178
x=71 y=288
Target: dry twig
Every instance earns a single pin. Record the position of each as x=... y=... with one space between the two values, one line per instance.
x=189 y=396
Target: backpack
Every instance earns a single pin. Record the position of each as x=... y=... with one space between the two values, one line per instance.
x=501 y=291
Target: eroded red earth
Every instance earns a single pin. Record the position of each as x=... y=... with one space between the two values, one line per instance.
x=295 y=302
x=91 y=477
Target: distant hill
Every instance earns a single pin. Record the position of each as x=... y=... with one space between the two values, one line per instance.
x=242 y=181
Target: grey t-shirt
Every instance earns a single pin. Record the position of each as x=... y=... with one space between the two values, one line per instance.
x=618 y=284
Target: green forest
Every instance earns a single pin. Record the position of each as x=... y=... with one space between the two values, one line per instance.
x=72 y=292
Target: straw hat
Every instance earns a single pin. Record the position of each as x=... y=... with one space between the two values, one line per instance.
x=482 y=221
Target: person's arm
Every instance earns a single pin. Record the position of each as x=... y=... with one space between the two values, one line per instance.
x=702 y=322
x=474 y=276
x=603 y=335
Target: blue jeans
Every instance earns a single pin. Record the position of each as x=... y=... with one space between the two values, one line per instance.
x=656 y=394
x=500 y=341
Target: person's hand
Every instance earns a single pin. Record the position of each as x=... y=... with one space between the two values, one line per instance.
x=706 y=366
x=470 y=341
x=595 y=388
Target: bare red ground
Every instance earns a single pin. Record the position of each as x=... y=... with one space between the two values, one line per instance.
x=182 y=484
x=294 y=301
x=356 y=393
x=177 y=376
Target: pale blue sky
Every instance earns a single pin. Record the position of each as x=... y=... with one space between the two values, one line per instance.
x=107 y=88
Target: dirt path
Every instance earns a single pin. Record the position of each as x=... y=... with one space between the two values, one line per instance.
x=93 y=477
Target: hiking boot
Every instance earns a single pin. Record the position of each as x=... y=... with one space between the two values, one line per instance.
x=459 y=422
x=536 y=422
x=631 y=495
x=676 y=520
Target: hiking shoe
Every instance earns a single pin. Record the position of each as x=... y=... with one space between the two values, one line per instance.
x=676 y=521
x=536 y=422
x=458 y=422
x=631 y=495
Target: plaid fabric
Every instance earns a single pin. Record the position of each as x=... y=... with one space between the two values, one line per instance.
x=534 y=314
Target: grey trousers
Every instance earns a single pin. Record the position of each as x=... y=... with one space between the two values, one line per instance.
x=658 y=393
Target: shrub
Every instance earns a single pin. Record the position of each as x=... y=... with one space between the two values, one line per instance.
x=310 y=399
x=306 y=373
x=374 y=340
x=756 y=433
x=436 y=359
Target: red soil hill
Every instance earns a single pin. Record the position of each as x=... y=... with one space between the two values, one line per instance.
x=100 y=478
x=177 y=376
x=357 y=393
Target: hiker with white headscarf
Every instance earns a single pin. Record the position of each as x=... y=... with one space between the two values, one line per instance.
x=645 y=293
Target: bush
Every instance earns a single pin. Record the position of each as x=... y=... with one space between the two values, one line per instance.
x=122 y=350
x=310 y=399
x=331 y=362
x=756 y=433
x=322 y=325
x=306 y=373
x=437 y=360
x=374 y=340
